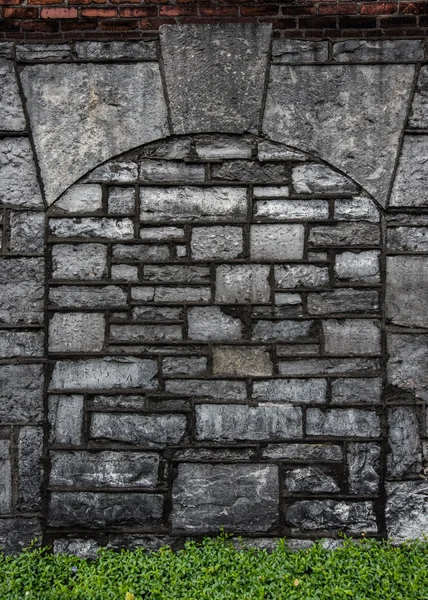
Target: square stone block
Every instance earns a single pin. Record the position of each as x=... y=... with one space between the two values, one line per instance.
x=241 y=361
x=242 y=284
x=76 y=332
x=277 y=242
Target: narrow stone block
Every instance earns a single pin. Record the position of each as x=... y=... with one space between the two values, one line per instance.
x=342 y=422
x=91 y=227
x=30 y=455
x=295 y=276
x=411 y=180
x=5 y=478
x=140 y=252
x=299 y=391
x=331 y=515
x=11 y=113
x=301 y=210
x=343 y=301
x=291 y=51
x=345 y=234
x=222 y=390
x=184 y=366
x=117 y=50
x=312 y=480
x=66 y=420
x=378 y=50
x=314 y=178
x=241 y=362
x=283 y=331
x=225 y=148
x=329 y=366
x=145 y=333
x=79 y=296
x=310 y=452
x=359 y=208
x=247 y=171
x=176 y=274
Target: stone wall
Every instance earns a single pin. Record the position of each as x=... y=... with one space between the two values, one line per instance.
x=213 y=289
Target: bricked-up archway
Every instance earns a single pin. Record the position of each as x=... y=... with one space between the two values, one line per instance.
x=215 y=345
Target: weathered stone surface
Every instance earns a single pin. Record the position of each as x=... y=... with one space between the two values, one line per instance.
x=292 y=209
x=313 y=480
x=404 y=441
x=310 y=452
x=21 y=393
x=145 y=333
x=216 y=243
x=156 y=313
x=407 y=510
x=21 y=343
x=140 y=252
x=238 y=497
x=124 y=273
x=366 y=103
x=242 y=362
x=224 y=148
x=267 y=151
x=26 y=232
x=306 y=276
x=408 y=363
x=378 y=50
x=297 y=350
x=342 y=422
x=406 y=290
x=222 y=390
x=411 y=180
x=330 y=515
x=343 y=301
x=30 y=454
x=220 y=422
x=86 y=549
x=176 y=274
x=104 y=509
x=276 y=242
x=110 y=469
x=362 y=267
x=182 y=365
x=242 y=284
x=315 y=178
x=271 y=191
x=193 y=203
x=109 y=296
x=350 y=391
x=364 y=467
x=5 y=478
x=329 y=366
x=247 y=171
x=11 y=113
x=166 y=172
x=43 y=52
x=18 y=533
x=162 y=234
x=408 y=239
x=345 y=234
x=117 y=50
x=301 y=391
x=351 y=336
x=215 y=75
x=418 y=112
x=115 y=171
x=121 y=200
x=116 y=229
x=104 y=373
x=282 y=331
x=291 y=51
x=79 y=261
x=212 y=324
x=145 y=430
x=84 y=101
x=85 y=198
x=182 y=294
x=18 y=179
x=65 y=419
x=76 y=332
x=6 y=49
x=21 y=291
x=359 y=208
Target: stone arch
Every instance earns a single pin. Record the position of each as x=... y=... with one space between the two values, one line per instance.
x=213 y=318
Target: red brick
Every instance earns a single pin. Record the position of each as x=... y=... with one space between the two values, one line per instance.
x=357 y=22
x=138 y=11
x=382 y=8
x=58 y=13
x=103 y=13
x=44 y=2
x=414 y=8
x=218 y=11
x=398 y=21
x=317 y=22
x=338 y=9
x=270 y=10
x=79 y=25
x=9 y=25
x=21 y=12
x=298 y=10
x=177 y=11
x=40 y=26
x=10 y=2
x=118 y=25
x=85 y=2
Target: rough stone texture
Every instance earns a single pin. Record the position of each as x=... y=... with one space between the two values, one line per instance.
x=216 y=243
x=359 y=208
x=18 y=180
x=149 y=430
x=329 y=515
x=26 y=232
x=81 y=199
x=119 y=229
x=418 y=112
x=406 y=509
x=18 y=533
x=83 y=261
x=342 y=422
x=343 y=301
x=5 y=478
x=305 y=391
x=205 y=500
x=406 y=290
x=241 y=362
x=312 y=480
x=367 y=104
x=276 y=242
x=315 y=178
x=378 y=50
x=108 y=296
x=355 y=391
x=117 y=50
x=242 y=284
x=215 y=75
x=82 y=101
x=364 y=467
x=212 y=324
x=410 y=239
x=30 y=452
x=355 y=234
x=21 y=343
x=404 y=441
x=305 y=276
x=76 y=332
x=352 y=337
x=408 y=363
x=11 y=113
x=65 y=419
x=290 y=51
x=410 y=184
x=360 y=267
x=21 y=393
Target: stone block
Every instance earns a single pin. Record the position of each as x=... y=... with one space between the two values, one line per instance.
x=43 y=52
x=269 y=152
x=140 y=252
x=221 y=390
x=242 y=284
x=125 y=273
x=11 y=113
x=300 y=391
x=301 y=210
x=356 y=391
x=30 y=456
x=309 y=452
x=271 y=191
x=21 y=343
x=295 y=51
x=176 y=274
x=19 y=187
x=241 y=362
x=152 y=431
x=18 y=533
x=86 y=549
x=361 y=267
x=406 y=290
x=26 y=232
x=21 y=393
x=104 y=373
x=343 y=300
x=86 y=198
x=66 y=420
x=213 y=65
x=108 y=296
x=329 y=366
x=183 y=293
x=104 y=509
x=408 y=239
x=353 y=337
x=406 y=510
x=115 y=171
x=193 y=203
x=183 y=365
x=418 y=112
x=159 y=171
x=378 y=50
x=104 y=469
x=411 y=179
x=342 y=422
x=236 y=496
x=76 y=332
x=310 y=480
x=92 y=227
x=216 y=243
x=145 y=333
x=247 y=171
x=156 y=313
x=404 y=441
x=79 y=261
x=162 y=234
x=121 y=200
x=408 y=363
x=345 y=234
x=276 y=242
x=224 y=148
x=283 y=331
x=179 y=148
x=117 y=50
x=359 y=208
x=364 y=467
x=297 y=350
x=331 y=515
x=220 y=422
x=5 y=478
x=315 y=178
x=295 y=276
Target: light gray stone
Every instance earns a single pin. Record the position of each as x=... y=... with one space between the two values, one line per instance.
x=282 y=331
x=224 y=148
x=30 y=455
x=167 y=172
x=238 y=497
x=208 y=68
x=76 y=332
x=182 y=294
x=332 y=515
x=353 y=337
x=350 y=391
x=406 y=290
x=21 y=393
x=212 y=324
x=66 y=420
x=359 y=208
x=86 y=549
x=276 y=242
x=366 y=103
x=79 y=261
x=408 y=239
x=220 y=422
x=115 y=171
x=181 y=365
x=343 y=300
x=104 y=373
x=124 y=273
x=18 y=178
x=84 y=101
x=121 y=200
x=87 y=227
x=221 y=390
x=404 y=441
x=85 y=198
x=301 y=391
x=408 y=363
x=153 y=431
x=193 y=203
x=241 y=362
x=216 y=243
x=242 y=284
x=313 y=480
x=362 y=267
x=117 y=50
x=176 y=274
x=292 y=51
x=329 y=366
x=310 y=452
x=411 y=179
x=104 y=469
x=364 y=467
x=145 y=333
x=156 y=313
x=5 y=478
x=162 y=234
x=26 y=232
x=271 y=191
x=418 y=112
x=11 y=113
x=342 y=422
x=406 y=510
x=108 y=296
x=345 y=234
x=306 y=276
x=378 y=50
x=292 y=209
x=313 y=178
x=21 y=291
x=43 y=52
x=140 y=252
x=21 y=343
x=288 y=300
x=267 y=151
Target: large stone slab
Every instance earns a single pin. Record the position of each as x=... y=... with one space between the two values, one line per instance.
x=351 y=115
x=11 y=113
x=406 y=290
x=215 y=75
x=83 y=114
x=407 y=509
x=21 y=291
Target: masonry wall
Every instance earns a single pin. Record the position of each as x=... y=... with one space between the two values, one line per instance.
x=213 y=289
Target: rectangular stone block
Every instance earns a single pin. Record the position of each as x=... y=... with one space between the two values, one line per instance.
x=356 y=391
x=271 y=191
x=99 y=469
x=294 y=350
x=329 y=366
x=216 y=243
x=210 y=323
x=364 y=467
x=301 y=210
x=104 y=509
x=247 y=171
x=359 y=208
x=156 y=313
x=66 y=420
x=331 y=515
x=168 y=172
x=162 y=234
x=152 y=431
x=21 y=291
x=5 y=478
x=220 y=422
x=242 y=284
x=76 y=332
x=222 y=390
x=345 y=234
x=176 y=274
x=18 y=177
x=342 y=422
x=43 y=52
x=79 y=296
x=295 y=276
x=408 y=363
x=12 y=116
x=145 y=333
x=418 y=117
x=26 y=232
x=193 y=203
x=310 y=480
x=378 y=50
x=141 y=252
x=224 y=148
x=238 y=497
x=115 y=171
x=117 y=50
x=310 y=452
x=21 y=393
x=300 y=391
x=270 y=152
x=183 y=293
x=276 y=242
x=345 y=300
x=285 y=51
x=104 y=373
x=21 y=343
x=404 y=441
x=314 y=178
x=79 y=261
x=406 y=290
x=183 y=365
x=283 y=331
x=92 y=227
x=30 y=455
x=359 y=267
x=86 y=198
x=124 y=273
x=241 y=361
x=121 y=200
x=351 y=337
x=408 y=239
x=410 y=184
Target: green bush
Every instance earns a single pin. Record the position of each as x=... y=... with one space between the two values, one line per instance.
x=218 y=570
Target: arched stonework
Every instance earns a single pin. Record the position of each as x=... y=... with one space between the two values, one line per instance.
x=215 y=345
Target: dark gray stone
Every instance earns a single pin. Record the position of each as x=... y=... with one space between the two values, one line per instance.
x=162 y=234
x=344 y=300
x=18 y=533
x=152 y=431
x=418 y=112
x=329 y=366
x=86 y=549
x=21 y=392
x=359 y=208
x=117 y=50
x=286 y=51
x=221 y=148
x=179 y=294
x=92 y=227
x=345 y=234
x=359 y=267
x=221 y=390
x=145 y=333
x=5 y=478
x=300 y=391
x=176 y=274
x=108 y=296
x=351 y=337
x=355 y=391
x=65 y=420
x=364 y=467
x=404 y=441
x=76 y=332
x=11 y=113
x=379 y=50
x=407 y=510
x=43 y=52
x=235 y=361
x=283 y=331
x=181 y=365
x=160 y=171
x=408 y=363
x=342 y=422
x=156 y=313
x=309 y=452
x=30 y=455
x=121 y=200
x=306 y=276
x=247 y=171
x=312 y=480
x=86 y=198
x=238 y=497
x=408 y=239
x=215 y=75
x=331 y=515
x=21 y=343
x=411 y=180
x=406 y=290
x=115 y=171
x=26 y=232
x=19 y=187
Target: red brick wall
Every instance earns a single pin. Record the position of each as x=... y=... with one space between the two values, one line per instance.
x=116 y=19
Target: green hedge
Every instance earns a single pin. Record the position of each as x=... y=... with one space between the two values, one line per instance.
x=218 y=570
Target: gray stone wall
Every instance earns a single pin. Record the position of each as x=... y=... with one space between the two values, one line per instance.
x=213 y=289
